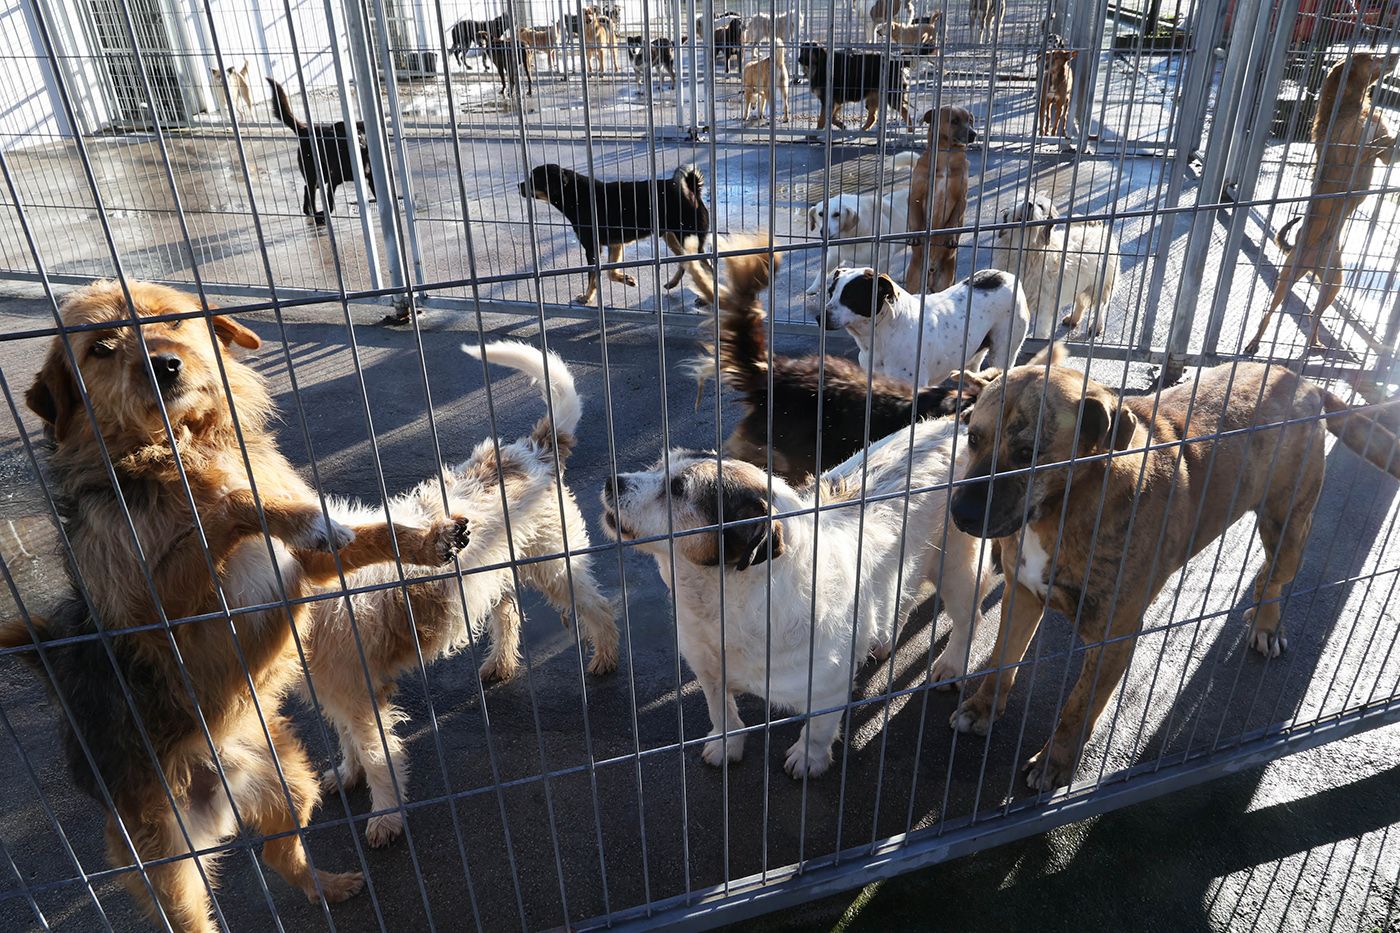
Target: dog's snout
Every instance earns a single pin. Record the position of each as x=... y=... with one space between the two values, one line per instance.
x=971 y=135
x=969 y=507
x=167 y=368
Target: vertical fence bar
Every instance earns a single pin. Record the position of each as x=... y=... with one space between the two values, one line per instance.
x=336 y=26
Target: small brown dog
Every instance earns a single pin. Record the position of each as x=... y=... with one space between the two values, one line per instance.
x=540 y=40
x=1057 y=90
x=226 y=673
x=938 y=199
x=1348 y=147
x=764 y=77
x=1270 y=462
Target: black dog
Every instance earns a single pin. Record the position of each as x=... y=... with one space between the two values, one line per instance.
x=623 y=212
x=510 y=58
x=662 y=57
x=324 y=147
x=729 y=42
x=468 y=33
x=800 y=385
x=852 y=76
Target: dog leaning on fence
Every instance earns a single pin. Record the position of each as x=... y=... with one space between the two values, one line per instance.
x=216 y=681
x=544 y=522
x=922 y=339
x=1131 y=516
x=615 y=213
x=1059 y=264
x=772 y=638
x=323 y=153
x=806 y=390
x=1348 y=146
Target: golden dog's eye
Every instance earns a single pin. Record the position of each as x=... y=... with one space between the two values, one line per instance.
x=103 y=349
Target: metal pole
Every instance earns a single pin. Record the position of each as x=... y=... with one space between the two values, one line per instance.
x=357 y=40
x=357 y=166
x=1195 y=85
x=1208 y=192
x=1245 y=170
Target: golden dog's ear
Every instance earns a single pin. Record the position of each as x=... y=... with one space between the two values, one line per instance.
x=1054 y=353
x=231 y=332
x=1105 y=424
x=54 y=394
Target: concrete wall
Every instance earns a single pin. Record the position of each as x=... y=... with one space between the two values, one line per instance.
x=31 y=111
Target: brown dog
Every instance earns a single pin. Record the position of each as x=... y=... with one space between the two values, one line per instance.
x=227 y=672
x=599 y=37
x=1348 y=147
x=938 y=199
x=1107 y=568
x=1055 y=95
x=540 y=40
x=765 y=76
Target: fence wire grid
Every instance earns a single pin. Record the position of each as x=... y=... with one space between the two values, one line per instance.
x=212 y=697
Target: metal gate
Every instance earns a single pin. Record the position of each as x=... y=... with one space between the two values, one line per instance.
x=565 y=793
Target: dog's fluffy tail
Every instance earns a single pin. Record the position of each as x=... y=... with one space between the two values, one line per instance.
x=1281 y=238
x=743 y=346
x=1362 y=431
x=282 y=107
x=568 y=404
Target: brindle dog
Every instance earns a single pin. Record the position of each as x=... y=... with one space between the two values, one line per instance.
x=1136 y=510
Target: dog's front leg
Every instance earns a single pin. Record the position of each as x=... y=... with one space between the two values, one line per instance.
x=724 y=717
x=979 y=711
x=961 y=589
x=1053 y=765
x=619 y=275
x=432 y=546
x=810 y=755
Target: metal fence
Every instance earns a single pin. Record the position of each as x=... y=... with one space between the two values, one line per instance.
x=561 y=796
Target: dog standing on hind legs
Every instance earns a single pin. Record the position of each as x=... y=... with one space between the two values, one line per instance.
x=544 y=520
x=1348 y=146
x=218 y=681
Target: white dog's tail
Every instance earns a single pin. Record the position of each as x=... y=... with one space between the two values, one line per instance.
x=568 y=404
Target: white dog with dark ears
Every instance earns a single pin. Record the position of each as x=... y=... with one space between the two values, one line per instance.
x=852 y=215
x=692 y=492
x=978 y=323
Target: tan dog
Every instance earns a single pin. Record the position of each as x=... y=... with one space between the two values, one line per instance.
x=764 y=77
x=1348 y=147
x=938 y=199
x=920 y=37
x=599 y=38
x=220 y=679
x=540 y=40
x=886 y=12
x=1107 y=568
x=239 y=88
x=1055 y=95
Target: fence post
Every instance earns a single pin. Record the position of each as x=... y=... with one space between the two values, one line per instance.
x=357 y=38
x=1243 y=170
x=358 y=169
x=1195 y=87
x=1222 y=131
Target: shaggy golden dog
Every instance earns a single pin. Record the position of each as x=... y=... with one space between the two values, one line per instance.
x=184 y=707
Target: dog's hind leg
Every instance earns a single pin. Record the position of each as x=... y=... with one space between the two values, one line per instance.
x=595 y=611
x=178 y=886
x=1286 y=278
x=503 y=660
x=268 y=814
x=1005 y=341
x=1331 y=286
x=351 y=771
x=378 y=758
x=678 y=249
x=1285 y=518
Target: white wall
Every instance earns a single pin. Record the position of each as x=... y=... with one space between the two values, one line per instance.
x=31 y=112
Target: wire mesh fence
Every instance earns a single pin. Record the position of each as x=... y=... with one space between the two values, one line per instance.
x=235 y=575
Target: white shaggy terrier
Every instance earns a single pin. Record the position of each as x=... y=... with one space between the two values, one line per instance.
x=1060 y=265
x=542 y=513
x=922 y=339
x=694 y=489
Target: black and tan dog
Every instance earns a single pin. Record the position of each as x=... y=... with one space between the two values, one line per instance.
x=852 y=76
x=783 y=395
x=323 y=153
x=468 y=33
x=511 y=57
x=615 y=213
x=1133 y=517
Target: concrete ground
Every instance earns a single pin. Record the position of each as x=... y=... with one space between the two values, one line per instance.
x=625 y=820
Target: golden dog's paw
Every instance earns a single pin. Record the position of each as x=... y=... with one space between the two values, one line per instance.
x=342 y=775
x=604 y=661
x=974 y=716
x=383 y=829
x=1269 y=643
x=337 y=886
x=498 y=667
x=1048 y=769
x=717 y=749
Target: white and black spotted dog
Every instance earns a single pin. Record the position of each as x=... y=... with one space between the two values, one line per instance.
x=771 y=638
x=980 y=322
